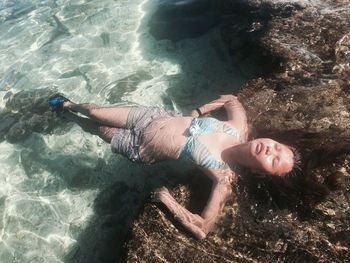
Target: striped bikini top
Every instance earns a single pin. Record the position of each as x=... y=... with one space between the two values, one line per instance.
x=196 y=152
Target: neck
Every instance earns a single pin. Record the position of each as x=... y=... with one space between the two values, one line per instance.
x=238 y=154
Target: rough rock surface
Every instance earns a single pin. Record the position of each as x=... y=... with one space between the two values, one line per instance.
x=27 y=112
x=297 y=55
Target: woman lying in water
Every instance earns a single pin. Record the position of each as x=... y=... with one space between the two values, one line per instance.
x=150 y=134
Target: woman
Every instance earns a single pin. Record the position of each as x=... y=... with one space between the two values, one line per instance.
x=218 y=148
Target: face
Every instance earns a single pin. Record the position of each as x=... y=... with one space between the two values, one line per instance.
x=269 y=156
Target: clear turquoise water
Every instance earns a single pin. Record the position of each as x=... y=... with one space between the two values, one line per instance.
x=51 y=185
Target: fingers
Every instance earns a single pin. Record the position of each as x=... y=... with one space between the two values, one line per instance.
x=195 y=230
x=159 y=195
x=194 y=113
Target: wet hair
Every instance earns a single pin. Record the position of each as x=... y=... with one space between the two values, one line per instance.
x=302 y=188
x=296 y=156
x=296 y=163
x=298 y=190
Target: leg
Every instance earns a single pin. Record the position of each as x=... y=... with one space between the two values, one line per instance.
x=110 y=116
x=104 y=132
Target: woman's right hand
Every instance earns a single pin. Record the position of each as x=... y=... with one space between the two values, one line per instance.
x=194 y=114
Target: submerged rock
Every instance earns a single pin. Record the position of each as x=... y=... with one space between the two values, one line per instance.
x=26 y=112
x=297 y=55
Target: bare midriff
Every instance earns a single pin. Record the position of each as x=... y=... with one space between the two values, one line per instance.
x=164 y=138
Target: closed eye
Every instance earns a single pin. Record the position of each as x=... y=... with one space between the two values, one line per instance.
x=277 y=147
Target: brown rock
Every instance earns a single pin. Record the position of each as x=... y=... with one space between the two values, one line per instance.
x=297 y=56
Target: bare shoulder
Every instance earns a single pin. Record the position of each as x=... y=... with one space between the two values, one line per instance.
x=241 y=127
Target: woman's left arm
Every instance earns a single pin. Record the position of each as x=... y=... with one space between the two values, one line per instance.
x=237 y=117
x=236 y=113
x=201 y=225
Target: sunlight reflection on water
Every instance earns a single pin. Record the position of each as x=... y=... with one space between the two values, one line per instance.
x=98 y=51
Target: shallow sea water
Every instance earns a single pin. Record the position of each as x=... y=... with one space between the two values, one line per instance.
x=100 y=52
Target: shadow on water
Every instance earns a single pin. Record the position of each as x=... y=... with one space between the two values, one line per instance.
x=186 y=34
x=178 y=20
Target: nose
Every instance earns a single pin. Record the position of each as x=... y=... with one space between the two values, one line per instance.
x=269 y=150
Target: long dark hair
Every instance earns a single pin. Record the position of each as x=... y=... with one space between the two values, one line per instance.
x=318 y=174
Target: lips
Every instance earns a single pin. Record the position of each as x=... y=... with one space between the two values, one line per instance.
x=258 y=148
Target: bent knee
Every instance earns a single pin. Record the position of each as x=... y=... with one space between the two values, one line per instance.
x=107 y=133
x=92 y=110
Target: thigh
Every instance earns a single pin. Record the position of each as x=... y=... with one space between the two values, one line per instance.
x=92 y=126
x=111 y=116
x=126 y=142
x=141 y=116
x=106 y=133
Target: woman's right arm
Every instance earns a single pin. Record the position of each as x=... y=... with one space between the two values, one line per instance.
x=200 y=225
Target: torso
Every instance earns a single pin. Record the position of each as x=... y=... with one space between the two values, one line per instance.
x=165 y=138
x=208 y=142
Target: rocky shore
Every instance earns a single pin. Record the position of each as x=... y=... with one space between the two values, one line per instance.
x=297 y=56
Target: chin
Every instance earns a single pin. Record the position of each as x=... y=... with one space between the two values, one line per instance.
x=252 y=147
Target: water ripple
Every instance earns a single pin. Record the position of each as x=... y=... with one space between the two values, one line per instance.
x=52 y=173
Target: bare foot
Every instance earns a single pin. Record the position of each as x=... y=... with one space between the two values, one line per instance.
x=67 y=104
